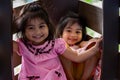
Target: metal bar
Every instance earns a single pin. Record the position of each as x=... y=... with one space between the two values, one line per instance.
x=110 y=45
x=5 y=40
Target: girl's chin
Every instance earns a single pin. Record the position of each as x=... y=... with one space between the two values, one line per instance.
x=37 y=43
x=71 y=44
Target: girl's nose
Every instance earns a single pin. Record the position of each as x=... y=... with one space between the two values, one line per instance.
x=73 y=34
x=37 y=31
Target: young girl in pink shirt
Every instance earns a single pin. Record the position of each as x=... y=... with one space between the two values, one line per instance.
x=72 y=29
x=39 y=49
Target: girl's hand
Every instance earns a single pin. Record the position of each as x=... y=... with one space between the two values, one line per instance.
x=91 y=45
x=96 y=42
x=94 y=39
x=80 y=56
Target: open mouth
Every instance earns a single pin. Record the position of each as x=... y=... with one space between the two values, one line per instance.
x=72 y=40
x=38 y=37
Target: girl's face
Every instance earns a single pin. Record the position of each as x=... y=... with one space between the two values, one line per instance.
x=36 y=31
x=72 y=34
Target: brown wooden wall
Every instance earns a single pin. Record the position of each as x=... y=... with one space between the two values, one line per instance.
x=55 y=8
x=93 y=16
x=103 y=21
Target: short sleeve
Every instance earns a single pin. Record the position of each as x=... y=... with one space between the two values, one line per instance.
x=60 y=46
x=21 y=47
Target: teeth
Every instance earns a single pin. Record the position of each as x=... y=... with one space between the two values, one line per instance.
x=38 y=36
x=71 y=39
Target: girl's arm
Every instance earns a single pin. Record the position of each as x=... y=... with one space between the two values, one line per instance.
x=15 y=47
x=16 y=59
x=78 y=56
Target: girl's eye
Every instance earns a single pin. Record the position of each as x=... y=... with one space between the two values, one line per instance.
x=30 y=27
x=68 y=30
x=42 y=26
x=78 y=32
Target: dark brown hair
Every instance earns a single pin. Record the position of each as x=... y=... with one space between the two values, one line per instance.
x=32 y=11
x=71 y=18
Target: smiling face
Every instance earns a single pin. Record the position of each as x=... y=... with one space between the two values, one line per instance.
x=36 y=31
x=72 y=34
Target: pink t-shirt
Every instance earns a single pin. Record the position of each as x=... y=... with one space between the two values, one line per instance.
x=46 y=66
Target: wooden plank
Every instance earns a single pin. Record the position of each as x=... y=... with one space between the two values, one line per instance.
x=58 y=8
x=55 y=8
x=93 y=16
x=5 y=40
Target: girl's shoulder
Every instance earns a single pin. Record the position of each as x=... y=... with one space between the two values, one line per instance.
x=18 y=40
x=16 y=44
x=60 y=45
x=59 y=40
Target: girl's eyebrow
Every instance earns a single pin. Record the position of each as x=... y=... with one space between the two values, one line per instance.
x=33 y=24
x=79 y=29
x=68 y=27
x=42 y=23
